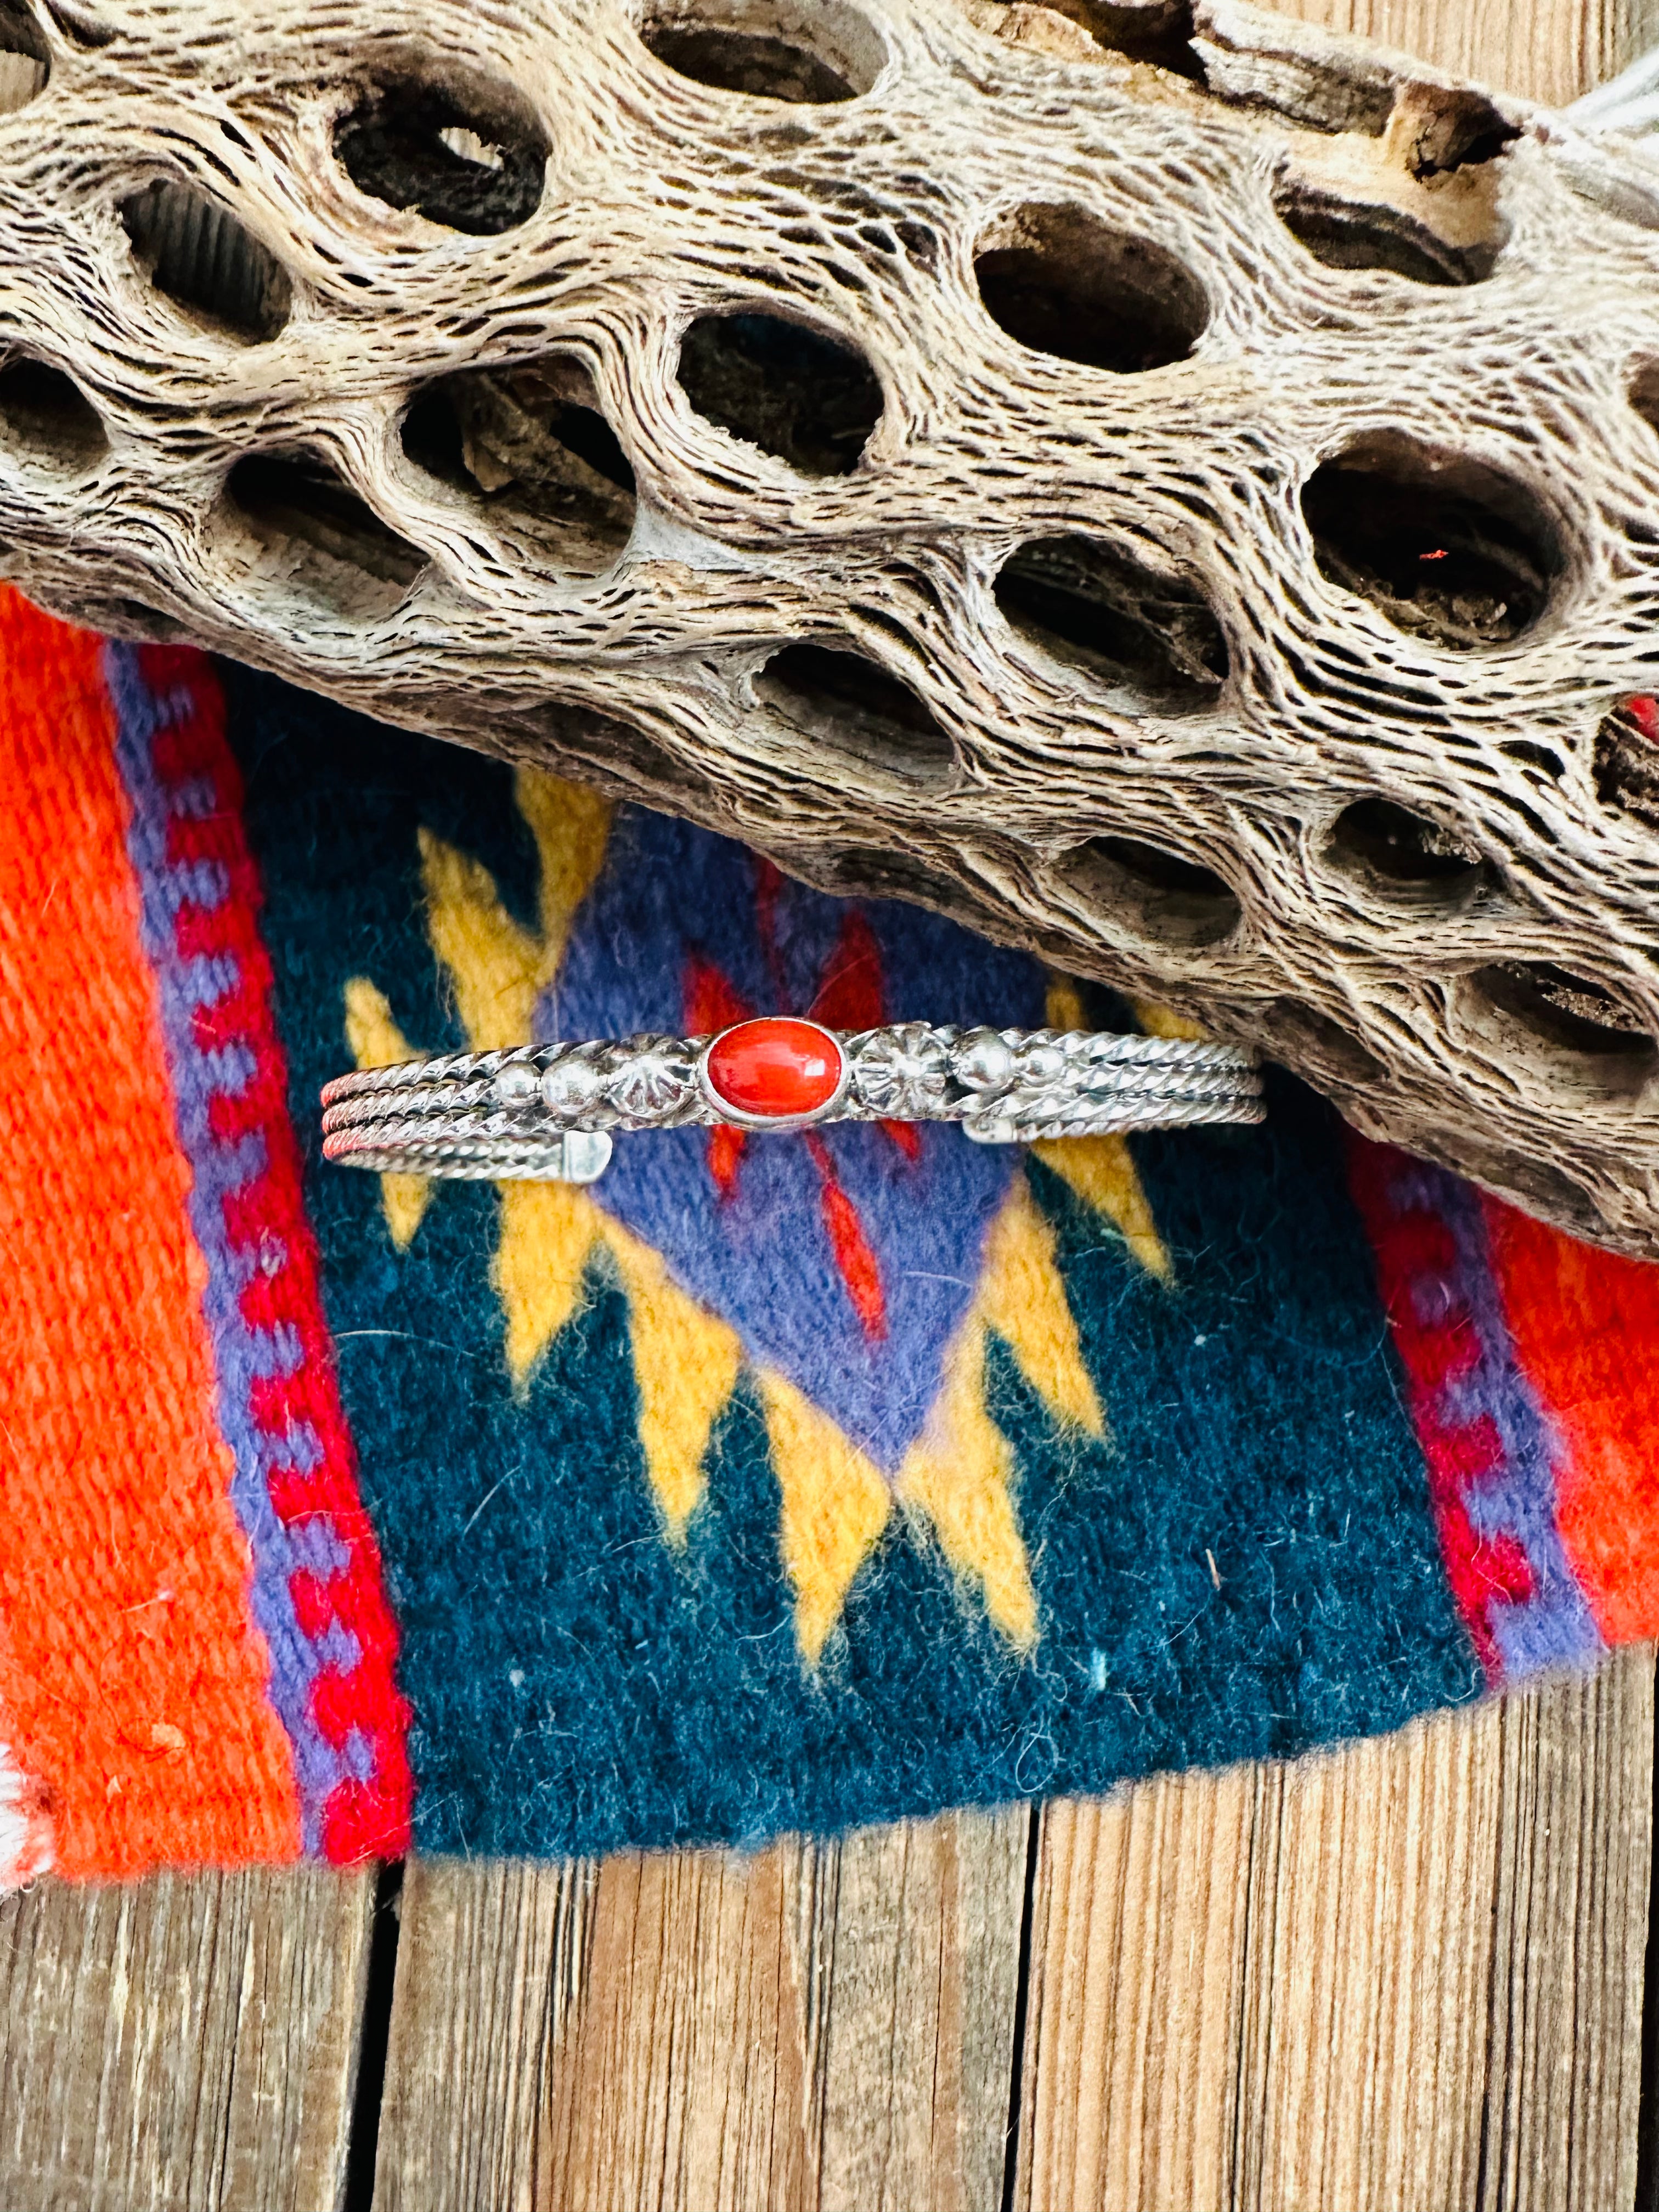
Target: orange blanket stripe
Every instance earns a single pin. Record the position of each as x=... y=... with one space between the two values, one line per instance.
x=1585 y=1327
x=132 y=1677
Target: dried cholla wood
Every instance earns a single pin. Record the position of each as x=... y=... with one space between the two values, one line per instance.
x=1179 y=491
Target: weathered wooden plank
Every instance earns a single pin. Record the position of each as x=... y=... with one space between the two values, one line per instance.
x=187 y=2043
x=1574 y=1882
x=924 y=1973
x=1406 y=1974
x=1547 y=49
x=812 y=2025
x=491 y=1955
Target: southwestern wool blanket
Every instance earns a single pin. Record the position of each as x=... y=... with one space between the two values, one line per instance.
x=773 y=1483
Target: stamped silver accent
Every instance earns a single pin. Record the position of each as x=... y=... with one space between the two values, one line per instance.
x=904 y=1074
x=656 y=1081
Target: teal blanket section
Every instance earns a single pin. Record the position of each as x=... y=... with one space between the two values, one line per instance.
x=1244 y=1566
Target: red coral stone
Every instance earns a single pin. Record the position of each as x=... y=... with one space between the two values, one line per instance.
x=776 y=1068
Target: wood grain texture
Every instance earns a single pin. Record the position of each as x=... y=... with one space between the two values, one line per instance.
x=813 y=2026
x=188 y=2044
x=1408 y=1973
x=1551 y=52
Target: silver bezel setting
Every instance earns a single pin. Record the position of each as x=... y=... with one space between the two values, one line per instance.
x=735 y=1118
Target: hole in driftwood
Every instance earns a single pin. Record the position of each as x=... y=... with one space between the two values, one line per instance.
x=1445 y=548
x=1567 y=1014
x=1313 y=1040
x=1530 y=754
x=469 y=156
x=531 y=443
x=1440 y=128
x=1549 y=1192
x=78 y=24
x=1124 y=625
x=198 y=253
x=1164 y=895
x=311 y=530
x=24 y=63
x=1156 y=31
x=862 y=872
x=1375 y=838
x=748 y=62
x=612 y=755
x=1564 y=1009
x=1347 y=234
x=1626 y=760
x=48 y=416
x=136 y=619
x=811 y=55
x=1063 y=282
x=1644 y=390
x=811 y=399
x=844 y=701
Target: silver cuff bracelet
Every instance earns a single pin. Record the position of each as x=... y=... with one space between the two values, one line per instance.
x=546 y=1111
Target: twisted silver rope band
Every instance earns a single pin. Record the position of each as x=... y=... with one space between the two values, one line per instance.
x=547 y=1111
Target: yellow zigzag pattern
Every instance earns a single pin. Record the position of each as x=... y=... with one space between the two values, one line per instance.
x=955 y=1481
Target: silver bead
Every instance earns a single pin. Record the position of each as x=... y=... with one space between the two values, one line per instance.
x=571 y=1085
x=1042 y=1063
x=983 y=1061
x=517 y=1083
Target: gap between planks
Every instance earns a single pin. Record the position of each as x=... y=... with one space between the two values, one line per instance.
x=1407 y=1973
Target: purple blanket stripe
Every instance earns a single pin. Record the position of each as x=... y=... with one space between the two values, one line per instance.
x=242 y=1353
x=1553 y=1627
